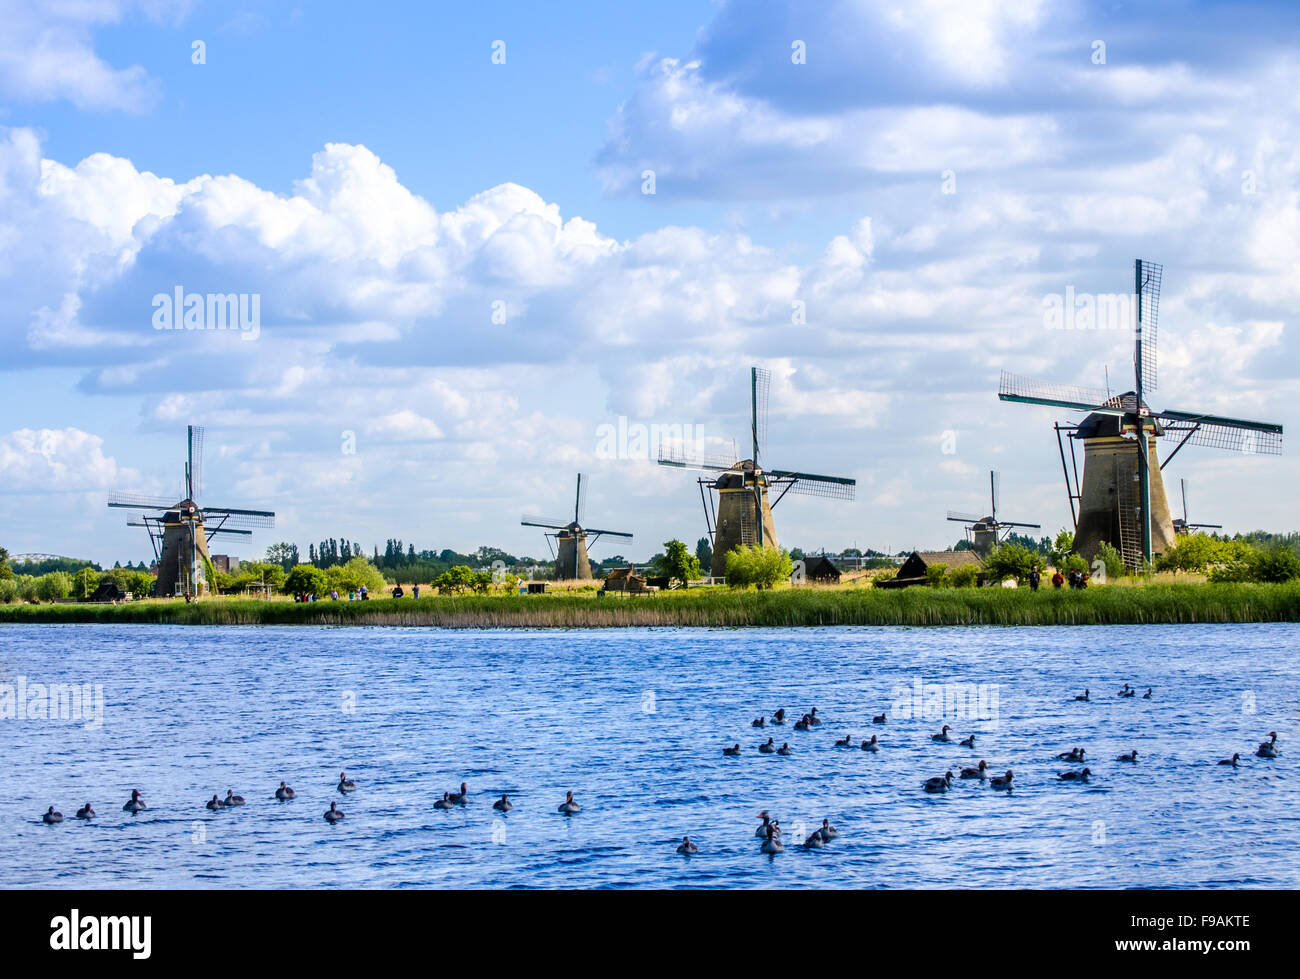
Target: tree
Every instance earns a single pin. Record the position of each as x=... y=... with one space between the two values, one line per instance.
x=355 y=573
x=762 y=567
x=1010 y=560
x=284 y=554
x=56 y=584
x=84 y=582
x=306 y=579
x=704 y=552
x=460 y=578
x=6 y=572
x=677 y=562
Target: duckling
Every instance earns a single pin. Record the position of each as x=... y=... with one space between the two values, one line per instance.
x=879 y=719
x=687 y=846
x=503 y=804
x=461 y=798
x=51 y=817
x=445 y=802
x=1147 y=695
x=844 y=742
x=942 y=735
x=814 y=842
x=1076 y=776
x=214 y=804
x=135 y=803
x=1074 y=754
x=1086 y=696
x=733 y=750
x=872 y=745
x=779 y=716
x=346 y=784
x=968 y=742
x=568 y=806
x=1131 y=756
x=979 y=772
x=284 y=793
x=1002 y=781
x=803 y=724
x=938 y=784
x=771 y=844
x=828 y=831
x=1127 y=691
x=1268 y=749
x=1231 y=761
x=86 y=812
x=232 y=799
x=333 y=814
x=761 y=830
x=813 y=718
x=758 y=722
x=784 y=749
x=767 y=747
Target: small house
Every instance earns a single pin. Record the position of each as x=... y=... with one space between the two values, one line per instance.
x=913 y=570
x=818 y=570
x=626 y=580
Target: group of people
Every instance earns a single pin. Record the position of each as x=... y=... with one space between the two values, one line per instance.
x=356 y=595
x=1075 y=579
x=399 y=593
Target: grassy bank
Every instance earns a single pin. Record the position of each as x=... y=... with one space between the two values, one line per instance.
x=1149 y=604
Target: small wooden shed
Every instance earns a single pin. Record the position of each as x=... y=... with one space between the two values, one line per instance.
x=913 y=569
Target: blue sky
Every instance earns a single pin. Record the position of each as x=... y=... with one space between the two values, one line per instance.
x=920 y=183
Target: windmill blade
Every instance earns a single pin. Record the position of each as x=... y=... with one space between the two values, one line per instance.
x=580 y=501
x=1218 y=432
x=812 y=484
x=549 y=524
x=1183 y=484
x=960 y=517
x=137 y=501
x=1149 y=276
x=1026 y=390
x=1017 y=523
x=232 y=519
x=676 y=453
x=761 y=383
x=197 y=435
x=995 y=491
x=608 y=533
x=213 y=532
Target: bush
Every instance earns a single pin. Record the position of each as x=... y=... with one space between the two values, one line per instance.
x=762 y=567
x=677 y=562
x=56 y=584
x=935 y=575
x=26 y=586
x=1011 y=560
x=1111 y=558
x=355 y=573
x=306 y=579
x=967 y=576
x=1271 y=567
x=461 y=578
x=8 y=590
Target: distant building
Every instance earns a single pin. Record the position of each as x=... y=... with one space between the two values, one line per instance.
x=626 y=580
x=913 y=569
x=818 y=570
x=225 y=563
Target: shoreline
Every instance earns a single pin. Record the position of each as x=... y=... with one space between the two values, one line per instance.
x=1156 y=604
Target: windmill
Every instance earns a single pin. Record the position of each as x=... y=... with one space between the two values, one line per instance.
x=988 y=531
x=743 y=514
x=180 y=531
x=572 y=538
x=1185 y=525
x=1122 y=500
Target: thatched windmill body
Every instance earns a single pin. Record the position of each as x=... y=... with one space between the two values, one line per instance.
x=180 y=531
x=1122 y=499
x=988 y=531
x=743 y=511
x=572 y=538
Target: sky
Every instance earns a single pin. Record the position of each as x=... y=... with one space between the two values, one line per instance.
x=473 y=239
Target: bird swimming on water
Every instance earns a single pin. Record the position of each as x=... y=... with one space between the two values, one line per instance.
x=784 y=749
x=460 y=798
x=346 y=784
x=968 y=742
x=232 y=799
x=214 y=804
x=135 y=803
x=871 y=745
x=1002 y=781
x=687 y=846
x=733 y=750
x=979 y=772
x=1076 y=776
x=333 y=814
x=568 y=805
x=503 y=804
x=879 y=719
x=1085 y=696
x=284 y=793
x=51 y=817
x=1268 y=749
x=767 y=747
x=938 y=784
x=942 y=735
x=1131 y=756
x=1231 y=761
x=844 y=742
x=86 y=812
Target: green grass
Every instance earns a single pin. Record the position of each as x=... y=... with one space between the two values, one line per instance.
x=1147 y=604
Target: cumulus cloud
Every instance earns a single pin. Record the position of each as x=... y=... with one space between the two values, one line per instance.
x=49 y=460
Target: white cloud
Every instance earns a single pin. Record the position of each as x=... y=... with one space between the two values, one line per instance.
x=48 y=460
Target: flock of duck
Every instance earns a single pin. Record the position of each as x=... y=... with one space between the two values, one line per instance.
x=284 y=793
x=769 y=829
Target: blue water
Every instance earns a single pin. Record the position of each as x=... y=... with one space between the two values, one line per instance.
x=633 y=721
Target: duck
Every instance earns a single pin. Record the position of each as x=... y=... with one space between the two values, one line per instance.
x=828 y=831
x=1131 y=756
x=445 y=802
x=1127 y=691
x=784 y=749
x=815 y=841
x=284 y=793
x=879 y=719
x=767 y=747
x=942 y=735
x=872 y=745
x=1002 y=781
x=758 y=722
x=135 y=803
x=779 y=716
x=813 y=718
x=1086 y=696
x=86 y=812
x=968 y=742
x=1231 y=761
x=938 y=784
x=733 y=750
x=1268 y=749
x=214 y=804
x=803 y=724
x=761 y=830
x=979 y=772
x=51 y=817
x=333 y=814
x=771 y=844
x=232 y=799
x=1147 y=695
x=1076 y=776
x=687 y=846
x=568 y=806
x=503 y=804
x=346 y=784
x=844 y=742
x=1074 y=754
x=461 y=798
